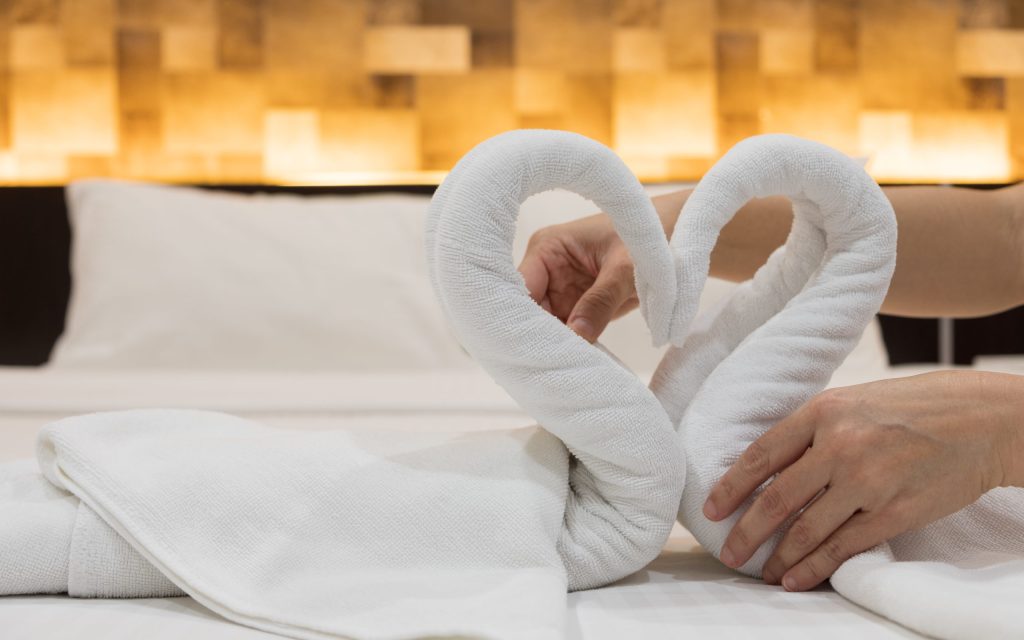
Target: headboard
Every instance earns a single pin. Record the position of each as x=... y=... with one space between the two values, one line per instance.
x=35 y=282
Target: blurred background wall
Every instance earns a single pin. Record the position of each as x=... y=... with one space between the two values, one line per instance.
x=364 y=91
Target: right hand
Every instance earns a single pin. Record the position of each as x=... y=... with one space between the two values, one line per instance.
x=581 y=273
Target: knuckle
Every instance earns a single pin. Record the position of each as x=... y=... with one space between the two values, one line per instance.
x=740 y=537
x=815 y=569
x=755 y=460
x=835 y=552
x=600 y=298
x=774 y=502
x=801 y=535
x=542 y=237
x=827 y=404
x=898 y=512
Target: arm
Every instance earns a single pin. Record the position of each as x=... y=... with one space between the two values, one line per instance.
x=960 y=251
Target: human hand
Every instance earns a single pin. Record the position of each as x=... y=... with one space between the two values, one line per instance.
x=873 y=460
x=582 y=273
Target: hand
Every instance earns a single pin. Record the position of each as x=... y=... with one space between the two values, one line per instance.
x=872 y=461
x=581 y=272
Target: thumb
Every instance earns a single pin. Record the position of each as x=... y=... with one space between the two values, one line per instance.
x=612 y=289
x=535 y=275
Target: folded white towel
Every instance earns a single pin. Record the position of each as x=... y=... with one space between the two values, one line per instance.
x=395 y=535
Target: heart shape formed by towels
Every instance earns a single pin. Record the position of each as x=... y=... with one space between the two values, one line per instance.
x=378 y=535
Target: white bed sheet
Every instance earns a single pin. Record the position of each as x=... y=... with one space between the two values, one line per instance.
x=684 y=593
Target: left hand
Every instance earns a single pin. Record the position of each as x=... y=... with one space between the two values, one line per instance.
x=872 y=461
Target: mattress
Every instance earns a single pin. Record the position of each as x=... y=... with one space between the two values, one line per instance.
x=683 y=593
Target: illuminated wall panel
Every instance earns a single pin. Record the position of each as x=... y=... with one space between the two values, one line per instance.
x=397 y=90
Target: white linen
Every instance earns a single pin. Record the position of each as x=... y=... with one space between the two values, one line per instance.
x=684 y=593
x=180 y=277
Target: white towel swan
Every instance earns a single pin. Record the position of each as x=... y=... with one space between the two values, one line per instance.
x=776 y=341
x=774 y=344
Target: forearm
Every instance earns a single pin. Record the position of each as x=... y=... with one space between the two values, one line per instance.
x=960 y=251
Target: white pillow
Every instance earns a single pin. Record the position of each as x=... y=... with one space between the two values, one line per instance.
x=175 y=277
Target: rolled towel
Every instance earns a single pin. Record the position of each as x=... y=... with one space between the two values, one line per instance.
x=377 y=534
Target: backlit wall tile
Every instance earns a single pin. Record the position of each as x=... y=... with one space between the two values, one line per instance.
x=671 y=114
x=366 y=140
x=71 y=111
x=990 y=52
x=540 y=92
x=188 y=48
x=401 y=49
x=638 y=49
x=36 y=47
x=354 y=90
x=787 y=51
x=217 y=112
x=291 y=142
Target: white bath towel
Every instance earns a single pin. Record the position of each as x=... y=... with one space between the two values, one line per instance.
x=397 y=535
x=775 y=343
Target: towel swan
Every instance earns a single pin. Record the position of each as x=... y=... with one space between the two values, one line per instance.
x=775 y=342
x=377 y=534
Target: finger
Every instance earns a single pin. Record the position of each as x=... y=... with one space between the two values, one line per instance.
x=778 y=448
x=859 y=533
x=785 y=495
x=819 y=521
x=612 y=288
x=535 y=274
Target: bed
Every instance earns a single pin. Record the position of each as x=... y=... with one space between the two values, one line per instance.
x=685 y=591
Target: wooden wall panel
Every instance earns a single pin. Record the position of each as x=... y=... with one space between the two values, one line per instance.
x=398 y=90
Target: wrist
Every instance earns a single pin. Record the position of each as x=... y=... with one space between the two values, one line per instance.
x=1004 y=395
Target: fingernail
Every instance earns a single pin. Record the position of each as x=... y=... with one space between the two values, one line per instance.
x=728 y=559
x=789 y=583
x=710 y=510
x=582 y=327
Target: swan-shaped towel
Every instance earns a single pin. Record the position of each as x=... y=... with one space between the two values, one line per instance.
x=776 y=341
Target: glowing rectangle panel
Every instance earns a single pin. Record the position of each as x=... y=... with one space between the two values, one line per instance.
x=665 y=114
x=990 y=52
x=416 y=49
x=72 y=111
